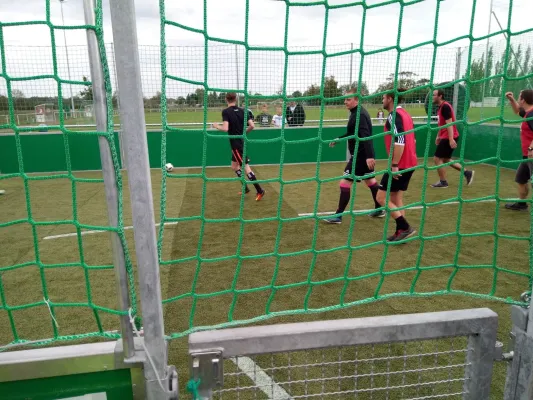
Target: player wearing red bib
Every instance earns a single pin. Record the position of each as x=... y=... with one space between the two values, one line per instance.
x=446 y=141
x=401 y=147
x=524 y=108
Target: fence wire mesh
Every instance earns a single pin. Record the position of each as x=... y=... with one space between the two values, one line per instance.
x=433 y=369
x=227 y=64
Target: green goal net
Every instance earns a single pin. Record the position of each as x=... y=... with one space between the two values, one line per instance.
x=55 y=267
x=232 y=260
x=226 y=259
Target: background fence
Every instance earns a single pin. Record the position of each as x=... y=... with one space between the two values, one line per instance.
x=227 y=63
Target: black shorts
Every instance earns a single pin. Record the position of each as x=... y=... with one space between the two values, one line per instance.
x=361 y=168
x=236 y=155
x=397 y=185
x=444 y=150
x=524 y=172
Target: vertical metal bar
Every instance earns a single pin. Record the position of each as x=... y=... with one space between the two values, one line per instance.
x=457 y=77
x=237 y=74
x=136 y=147
x=68 y=63
x=351 y=64
x=120 y=137
x=480 y=358
x=486 y=57
x=110 y=182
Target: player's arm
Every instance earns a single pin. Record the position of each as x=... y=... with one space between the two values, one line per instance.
x=350 y=131
x=224 y=126
x=365 y=131
x=513 y=102
x=399 y=144
x=251 y=125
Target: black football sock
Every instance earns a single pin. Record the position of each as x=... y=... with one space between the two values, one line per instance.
x=252 y=177
x=238 y=173
x=401 y=224
x=344 y=199
x=374 y=190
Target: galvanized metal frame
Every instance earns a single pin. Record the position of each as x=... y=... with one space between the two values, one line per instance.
x=110 y=181
x=479 y=325
x=133 y=125
x=71 y=360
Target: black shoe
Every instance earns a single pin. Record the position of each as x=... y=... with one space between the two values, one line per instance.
x=440 y=185
x=401 y=235
x=516 y=206
x=469 y=175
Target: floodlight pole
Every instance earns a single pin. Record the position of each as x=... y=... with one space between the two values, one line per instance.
x=486 y=57
x=110 y=180
x=68 y=63
x=238 y=78
x=455 y=101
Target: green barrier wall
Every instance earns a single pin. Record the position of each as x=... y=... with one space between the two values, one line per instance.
x=482 y=144
x=45 y=152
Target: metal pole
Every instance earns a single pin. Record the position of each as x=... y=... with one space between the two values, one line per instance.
x=68 y=63
x=121 y=139
x=486 y=58
x=512 y=51
x=238 y=78
x=457 y=77
x=110 y=183
x=351 y=65
x=136 y=147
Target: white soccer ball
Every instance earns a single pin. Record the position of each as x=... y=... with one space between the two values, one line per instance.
x=169 y=167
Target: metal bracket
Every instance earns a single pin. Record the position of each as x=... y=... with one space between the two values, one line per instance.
x=499 y=354
x=207 y=367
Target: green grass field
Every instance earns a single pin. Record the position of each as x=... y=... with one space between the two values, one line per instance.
x=223 y=285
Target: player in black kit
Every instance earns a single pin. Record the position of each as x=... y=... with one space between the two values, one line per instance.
x=364 y=159
x=233 y=123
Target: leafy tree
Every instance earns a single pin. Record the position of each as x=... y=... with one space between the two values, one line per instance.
x=313 y=90
x=87 y=92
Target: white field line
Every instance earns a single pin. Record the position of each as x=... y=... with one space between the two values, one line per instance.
x=263 y=381
x=358 y=212
x=64 y=235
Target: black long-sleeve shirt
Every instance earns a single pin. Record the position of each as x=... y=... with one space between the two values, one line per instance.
x=366 y=147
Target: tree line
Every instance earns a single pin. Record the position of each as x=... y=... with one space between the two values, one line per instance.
x=519 y=63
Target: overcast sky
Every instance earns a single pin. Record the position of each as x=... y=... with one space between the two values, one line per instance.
x=266 y=26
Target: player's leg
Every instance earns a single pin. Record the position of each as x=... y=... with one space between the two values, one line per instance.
x=403 y=228
x=361 y=169
x=236 y=166
x=443 y=155
x=397 y=198
x=442 y=152
x=345 y=186
x=523 y=175
x=251 y=176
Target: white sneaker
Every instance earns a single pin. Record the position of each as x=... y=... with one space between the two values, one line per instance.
x=2 y=191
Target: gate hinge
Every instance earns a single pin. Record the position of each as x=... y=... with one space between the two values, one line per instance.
x=207 y=368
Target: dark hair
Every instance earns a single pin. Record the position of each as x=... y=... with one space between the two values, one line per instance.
x=527 y=96
x=400 y=97
x=231 y=97
x=440 y=92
